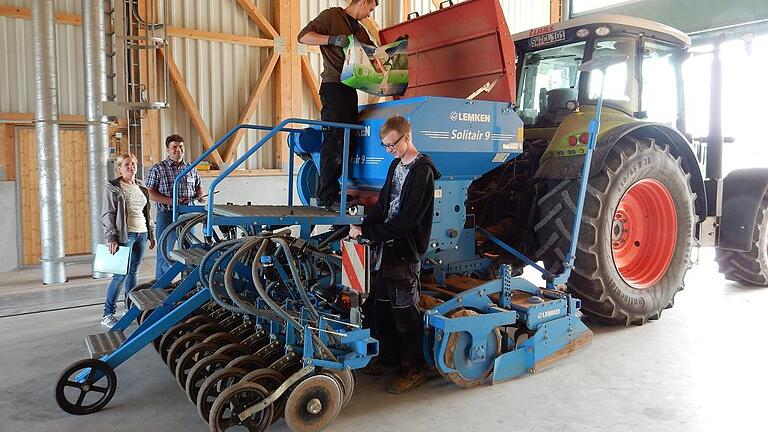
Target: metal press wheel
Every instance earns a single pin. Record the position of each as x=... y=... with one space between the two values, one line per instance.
x=234 y=400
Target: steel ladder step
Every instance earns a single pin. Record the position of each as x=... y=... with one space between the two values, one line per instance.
x=104 y=343
x=189 y=257
x=149 y=298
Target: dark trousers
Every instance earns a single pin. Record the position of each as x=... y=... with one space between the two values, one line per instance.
x=397 y=321
x=339 y=105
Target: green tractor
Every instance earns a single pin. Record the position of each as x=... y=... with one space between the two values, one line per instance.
x=652 y=196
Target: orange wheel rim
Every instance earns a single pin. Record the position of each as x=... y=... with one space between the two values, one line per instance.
x=644 y=233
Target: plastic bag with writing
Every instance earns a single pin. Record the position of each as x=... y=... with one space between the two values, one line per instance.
x=380 y=71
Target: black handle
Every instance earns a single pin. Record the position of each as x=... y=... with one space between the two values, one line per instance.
x=412 y=15
x=450 y=3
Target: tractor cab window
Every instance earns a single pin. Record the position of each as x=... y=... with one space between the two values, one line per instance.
x=660 y=82
x=621 y=87
x=549 y=80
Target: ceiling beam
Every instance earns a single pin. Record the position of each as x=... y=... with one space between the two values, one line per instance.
x=25 y=13
x=219 y=37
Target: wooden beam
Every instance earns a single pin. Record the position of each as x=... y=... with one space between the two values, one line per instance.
x=219 y=37
x=257 y=17
x=311 y=79
x=250 y=107
x=243 y=173
x=14 y=117
x=288 y=96
x=555 y=11
x=373 y=29
x=406 y=11
x=73 y=19
x=25 y=13
x=189 y=104
x=10 y=152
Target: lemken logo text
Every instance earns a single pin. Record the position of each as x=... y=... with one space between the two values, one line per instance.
x=470 y=117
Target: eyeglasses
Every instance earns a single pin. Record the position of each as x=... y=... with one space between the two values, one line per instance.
x=394 y=144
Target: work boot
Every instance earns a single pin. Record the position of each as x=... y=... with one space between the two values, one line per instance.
x=407 y=381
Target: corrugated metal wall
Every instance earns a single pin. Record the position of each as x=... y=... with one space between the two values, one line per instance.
x=16 y=73
x=520 y=14
x=219 y=75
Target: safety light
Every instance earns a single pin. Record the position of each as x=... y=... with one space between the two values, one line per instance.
x=582 y=33
x=602 y=31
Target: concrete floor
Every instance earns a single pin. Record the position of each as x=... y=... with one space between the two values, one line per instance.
x=702 y=367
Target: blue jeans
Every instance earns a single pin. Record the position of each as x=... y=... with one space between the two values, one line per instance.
x=164 y=218
x=138 y=243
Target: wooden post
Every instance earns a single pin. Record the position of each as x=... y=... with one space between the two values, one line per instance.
x=555 y=11
x=288 y=86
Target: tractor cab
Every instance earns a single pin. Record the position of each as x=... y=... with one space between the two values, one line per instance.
x=647 y=86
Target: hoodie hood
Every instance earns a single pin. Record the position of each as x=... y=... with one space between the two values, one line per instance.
x=426 y=160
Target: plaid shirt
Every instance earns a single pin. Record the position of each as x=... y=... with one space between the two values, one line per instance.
x=160 y=178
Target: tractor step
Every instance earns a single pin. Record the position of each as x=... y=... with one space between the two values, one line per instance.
x=189 y=257
x=104 y=343
x=147 y=299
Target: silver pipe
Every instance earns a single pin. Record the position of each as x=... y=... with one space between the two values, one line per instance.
x=47 y=135
x=97 y=132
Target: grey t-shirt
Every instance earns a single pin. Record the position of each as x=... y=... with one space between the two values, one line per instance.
x=398 y=179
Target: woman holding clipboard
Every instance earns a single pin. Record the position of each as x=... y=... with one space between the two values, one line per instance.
x=127 y=223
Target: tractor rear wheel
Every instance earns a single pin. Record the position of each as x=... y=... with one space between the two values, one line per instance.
x=750 y=268
x=636 y=237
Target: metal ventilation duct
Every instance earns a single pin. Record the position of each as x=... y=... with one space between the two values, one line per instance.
x=47 y=134
x=97 y=133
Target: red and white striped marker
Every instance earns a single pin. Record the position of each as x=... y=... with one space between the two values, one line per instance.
x=355 y=266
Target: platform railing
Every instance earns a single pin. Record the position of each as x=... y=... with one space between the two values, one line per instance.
x=273 y=130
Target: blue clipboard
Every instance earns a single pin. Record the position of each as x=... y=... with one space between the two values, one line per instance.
x=105 y=262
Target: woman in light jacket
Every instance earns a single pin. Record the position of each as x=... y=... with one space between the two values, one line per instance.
x=126 y=221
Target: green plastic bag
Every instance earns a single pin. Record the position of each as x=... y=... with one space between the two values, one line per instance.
x=380 y=71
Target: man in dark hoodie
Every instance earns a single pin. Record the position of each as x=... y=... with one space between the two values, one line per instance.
x=330 y=30
x=399 y=225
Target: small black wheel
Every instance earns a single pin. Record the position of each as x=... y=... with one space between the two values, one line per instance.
x=247 y=362
x=201 y=371
x=177 y=349
x=93 y=394
x=270 y=380
x=213 y=386
x=170 y=336
x=234 y=350
x=188 y=360
x=233 y=401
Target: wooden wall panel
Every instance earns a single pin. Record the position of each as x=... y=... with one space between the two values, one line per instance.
x=77 y=236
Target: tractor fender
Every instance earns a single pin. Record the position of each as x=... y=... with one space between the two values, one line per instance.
x=569 y=167
x=743 y=192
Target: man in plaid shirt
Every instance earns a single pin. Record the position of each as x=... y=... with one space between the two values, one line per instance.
x=159 y=182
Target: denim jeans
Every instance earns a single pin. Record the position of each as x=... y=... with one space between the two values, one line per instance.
x=138 y=243
x=164 y=218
